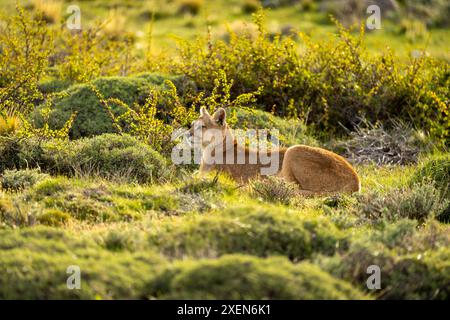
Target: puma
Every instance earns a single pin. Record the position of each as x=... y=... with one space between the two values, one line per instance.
x=315 y=170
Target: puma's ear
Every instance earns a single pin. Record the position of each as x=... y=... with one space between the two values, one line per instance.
x=204 y=112
x=220 y=116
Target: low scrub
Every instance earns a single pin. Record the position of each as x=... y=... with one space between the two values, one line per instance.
x=245 y=277
x=436 y=170
x=290 y=131
x=252 y=230
x=17 y=180
x=47 y=254
x=331 y=85
x=419 y=202
x=422 y=275
x=109 y=156
x=274 y=189
x=92 y=118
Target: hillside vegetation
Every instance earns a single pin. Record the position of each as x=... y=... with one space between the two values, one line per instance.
x=87 y=120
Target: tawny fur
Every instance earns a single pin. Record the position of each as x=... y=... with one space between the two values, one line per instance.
x=314 y=170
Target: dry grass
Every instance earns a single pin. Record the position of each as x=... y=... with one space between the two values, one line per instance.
x=374 y=144
x=9 y=125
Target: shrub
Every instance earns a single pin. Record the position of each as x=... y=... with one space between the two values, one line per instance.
x=251 y=230
x=91 y=53
x=274 y=189
x=415 y=276
x=216 y=184
x=250 y=6
x=53 y=86
x=190 y=6
x=53 y=217
x=433 y=12
x=246 y=277
x=112 y=156
x=413 y=29
x=16 y=180
x=291 y=131
x=331 y=84
x=26 y=44
x=49 y=11
x=92 y=118
x=46 y=253
x=405 y=237
x=419 y=202
x=436 y=170
x=14 y=214
x=108 y=156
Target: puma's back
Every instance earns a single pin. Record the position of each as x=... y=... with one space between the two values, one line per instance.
x=319 y=171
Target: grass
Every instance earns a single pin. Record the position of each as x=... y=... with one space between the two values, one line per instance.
x=175 y=240
x=141 y=228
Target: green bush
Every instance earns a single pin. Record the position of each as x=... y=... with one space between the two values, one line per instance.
x=53 y=86
x=92 y=117
x=405 y=237
x=112 y=156
x=190 y=6
x=253 y=230
x=108 y=156
x=246 y=277
x=37 y=261
x=16 y=180
x=54 y=217
x=432 y=12
x=250 y=6
x=291 y=131
x=425 y=275
x=331 y=84
x=420 y=202
x=435 y=170
x=274 y=189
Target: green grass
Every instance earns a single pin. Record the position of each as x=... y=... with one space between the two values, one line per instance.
x=141 y=228
x=187 y=238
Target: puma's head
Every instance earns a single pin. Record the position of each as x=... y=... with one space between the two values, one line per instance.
x=209 y=131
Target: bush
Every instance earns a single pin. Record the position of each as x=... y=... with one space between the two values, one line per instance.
x=274 y=189
x=245 y=277
x=433 y=12
x=332 y=84
x=291 y=131
x=108 y=156
x=250 y=6
x=37 y=261
x=16 y=180
x=420 y=202
x=421 y=276
x=112 y=156
x=190 y=6
x=251 y=230
x=54 y=217
x=437 y=171
x=26 y=44
x=92 y=118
